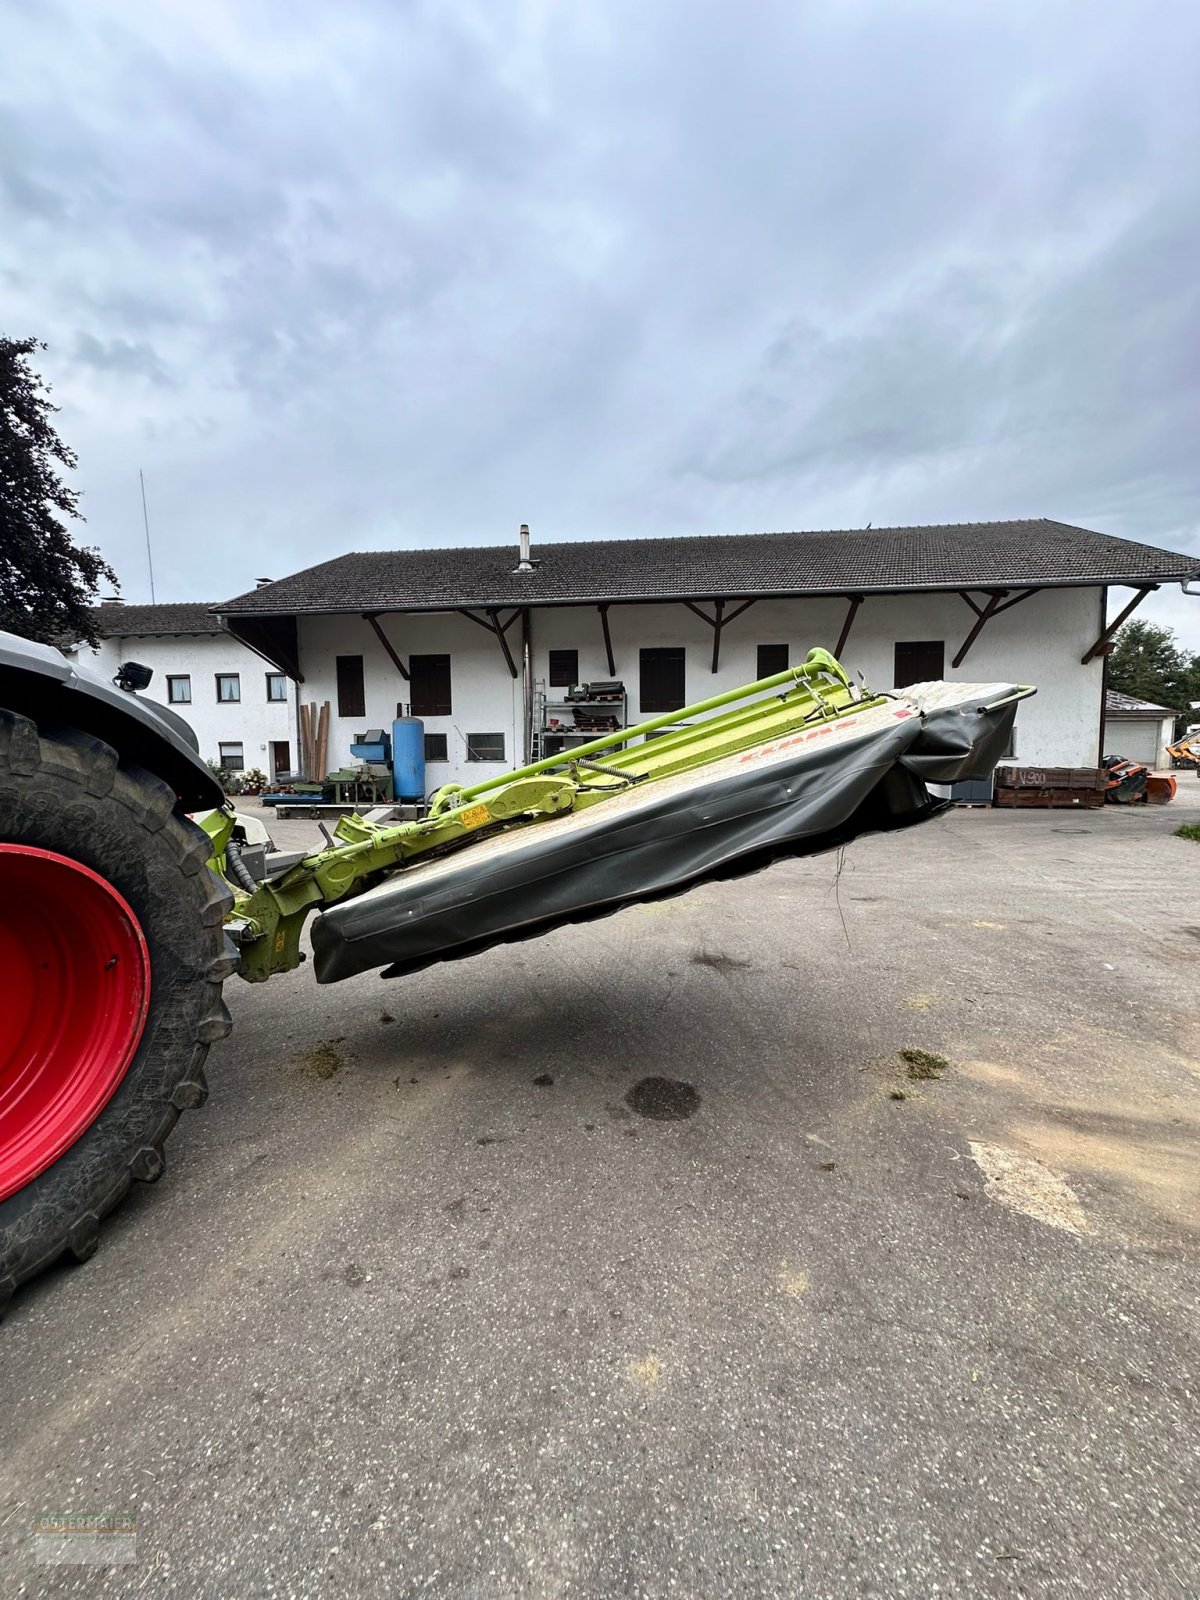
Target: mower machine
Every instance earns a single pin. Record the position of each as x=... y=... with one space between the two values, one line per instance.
x=121 y=917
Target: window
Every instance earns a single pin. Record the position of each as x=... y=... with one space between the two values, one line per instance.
x=351 y=697
x=429 y=686
x=229 y=687
x=276 y=686
x=179 y=691
x=435 y=747
x=231 y=757
x=919 y=661
x=772 y=658
x=564 y=668
x=485 y=747
x=662 y=679
x=281 y=757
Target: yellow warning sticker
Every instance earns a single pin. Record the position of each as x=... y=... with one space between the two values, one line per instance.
x=475 y=817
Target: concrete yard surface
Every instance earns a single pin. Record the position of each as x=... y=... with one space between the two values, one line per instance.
x=439 y=1297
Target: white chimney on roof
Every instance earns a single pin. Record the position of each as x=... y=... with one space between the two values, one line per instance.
x=525 y=564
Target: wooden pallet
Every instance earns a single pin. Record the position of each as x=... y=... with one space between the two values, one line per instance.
x=1048 y=799
x=1049 y=778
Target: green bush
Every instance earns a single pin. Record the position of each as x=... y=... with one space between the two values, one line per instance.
x=231 y=782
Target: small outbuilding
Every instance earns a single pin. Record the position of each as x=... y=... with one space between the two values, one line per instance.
x=1137 y=729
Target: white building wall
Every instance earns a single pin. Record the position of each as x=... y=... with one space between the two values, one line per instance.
x=484 y=696
x=1039 y=641
x=254 y=721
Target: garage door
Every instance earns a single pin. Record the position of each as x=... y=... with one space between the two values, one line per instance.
x=1134 y=738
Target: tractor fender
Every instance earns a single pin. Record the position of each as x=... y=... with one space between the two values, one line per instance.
x=39 y=682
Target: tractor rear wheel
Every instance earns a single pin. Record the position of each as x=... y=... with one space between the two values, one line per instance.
x=112 y=958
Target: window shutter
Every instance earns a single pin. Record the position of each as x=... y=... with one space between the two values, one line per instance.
x=919 y=661
x=564 y=668
x=663 y=679
x=351 y=695
x=772 y=658
x=429 y=686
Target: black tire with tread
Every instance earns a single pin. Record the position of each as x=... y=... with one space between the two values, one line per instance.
x=62 y=790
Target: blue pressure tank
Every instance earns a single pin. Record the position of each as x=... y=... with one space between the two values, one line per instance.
x=408 y=758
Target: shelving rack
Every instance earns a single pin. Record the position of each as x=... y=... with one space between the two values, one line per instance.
x=549 y=741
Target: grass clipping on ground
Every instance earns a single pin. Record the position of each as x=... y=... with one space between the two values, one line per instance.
x=922 y=1064
x=324 y=1060
x=1189 y=830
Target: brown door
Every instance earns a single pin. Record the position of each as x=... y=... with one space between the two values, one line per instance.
x=281 y=757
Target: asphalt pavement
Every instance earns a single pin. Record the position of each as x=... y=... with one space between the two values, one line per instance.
x=639 y=1260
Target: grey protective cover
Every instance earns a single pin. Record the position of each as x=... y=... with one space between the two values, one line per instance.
x=808 y=792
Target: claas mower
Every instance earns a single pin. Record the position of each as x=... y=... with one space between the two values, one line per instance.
x=129 y=895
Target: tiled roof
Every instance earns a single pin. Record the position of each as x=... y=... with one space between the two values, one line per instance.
x=1125 y=705
x=881 y=560
x=140 y=622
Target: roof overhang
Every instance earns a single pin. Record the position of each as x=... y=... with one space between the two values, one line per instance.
x=274 y=638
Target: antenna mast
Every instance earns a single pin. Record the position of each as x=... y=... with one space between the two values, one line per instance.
x=146 y=524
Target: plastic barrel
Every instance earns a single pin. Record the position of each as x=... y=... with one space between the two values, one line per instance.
x=408 y=758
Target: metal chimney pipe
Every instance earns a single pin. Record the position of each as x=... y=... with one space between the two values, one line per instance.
x=525 y=564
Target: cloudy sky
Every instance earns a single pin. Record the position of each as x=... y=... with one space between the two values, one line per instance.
x=387 y=272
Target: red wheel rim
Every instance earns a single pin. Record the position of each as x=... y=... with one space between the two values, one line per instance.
x=76 y=991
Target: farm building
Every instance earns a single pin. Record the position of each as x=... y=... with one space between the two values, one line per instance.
x=237 y=703
x=1137 y=729
x=486 y=644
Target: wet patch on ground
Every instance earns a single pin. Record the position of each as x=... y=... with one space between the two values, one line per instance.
x=718 y=961
x=663 y=1099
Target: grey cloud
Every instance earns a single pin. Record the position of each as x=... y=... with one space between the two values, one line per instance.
x=420 y=272
x=30 y=198
x=121 y=356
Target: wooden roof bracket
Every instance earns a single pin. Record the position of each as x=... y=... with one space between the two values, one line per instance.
x=495 y=626
x=998 y=600
x=852 y=611
x=718 y=621
x=608 y=649
x=1103 y=644
x=373 y=618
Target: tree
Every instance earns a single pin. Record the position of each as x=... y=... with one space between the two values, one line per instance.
x=48 y=582
x=1147 y=663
